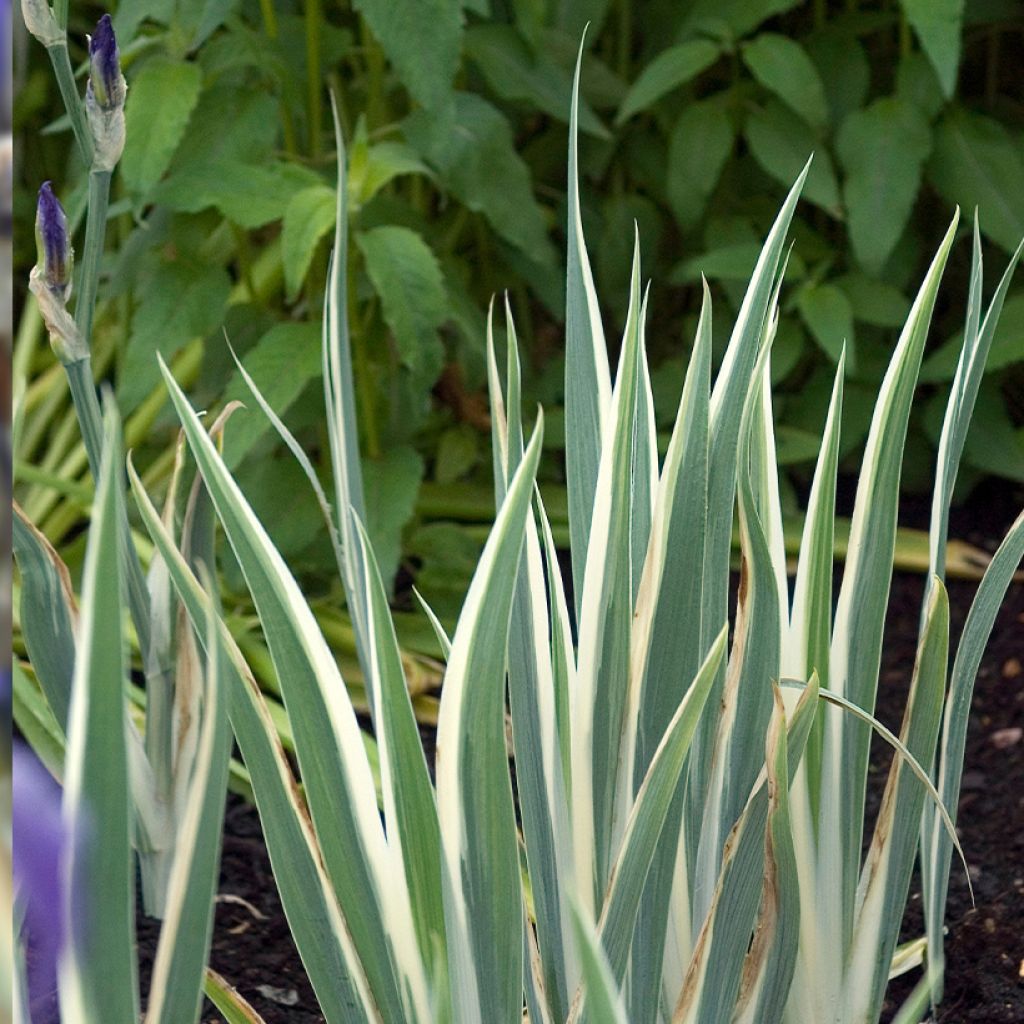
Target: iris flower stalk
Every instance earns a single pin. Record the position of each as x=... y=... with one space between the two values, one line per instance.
x=49 y=26
x=101 y=142
x=99 y=130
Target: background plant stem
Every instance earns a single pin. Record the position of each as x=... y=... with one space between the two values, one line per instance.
x=314 y=78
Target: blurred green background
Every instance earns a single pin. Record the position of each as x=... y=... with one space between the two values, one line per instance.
x=696 y=116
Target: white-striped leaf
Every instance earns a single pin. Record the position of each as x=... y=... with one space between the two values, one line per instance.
x=885 y=880
x=307 y=896
x=482 y=890
x=410 y=812
x=604 y=1001
x=857 y=633
x=727 y=401
x=49 y=612
x=588 y=389
x=645 y=828
x=606 y=614
x=176 y=989
x=335 y=771
x=540 y=783
x=938 y=845
x=97 y=972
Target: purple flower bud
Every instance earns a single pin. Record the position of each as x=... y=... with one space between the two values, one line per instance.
x=55 y=257
x=39 y=840
x=106 y=83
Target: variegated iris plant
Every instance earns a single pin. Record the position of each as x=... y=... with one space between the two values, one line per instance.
x=683 y=841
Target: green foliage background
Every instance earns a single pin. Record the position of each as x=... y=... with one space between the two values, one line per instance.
x=696 y=117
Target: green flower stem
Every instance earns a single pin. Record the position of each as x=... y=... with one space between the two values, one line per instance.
x=314 y=82
x=185 y=368
x=72 y=100
x=95 y=233
x=90 y=419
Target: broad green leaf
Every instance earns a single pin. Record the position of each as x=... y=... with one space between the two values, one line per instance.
x=132 y=13
x=372 y=167
x=917 y=84
x=179 y=302
x=391 y=484
x=48 y=613
x=782 y=66
x=249 y=194
x=97 y=971
x=160 y=102
x=280 y=364
x=516 y=73
x=230 y=121
x=335 y=771
x=828 y=314
x=874 y=302
x=882 y=149
x=699 y=145
x=458 y=451
x=422 y=39
x=740 y=15
x=308 y=216
x=588 y=387
x=202 y=20
x=407 y=278
x=938 y=24
x=670 y=69
x=995 y=443
x=310 y=904
x=782 y=143
x=472 y=147
x=176 y=990
x=844 y=70
x=1007 y=346
x=977 y=163
x=576 y=17
x=482 y=889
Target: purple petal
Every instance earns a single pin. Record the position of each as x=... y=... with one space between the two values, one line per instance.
x=39 y=838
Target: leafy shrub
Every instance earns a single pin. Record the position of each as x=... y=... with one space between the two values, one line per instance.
x=692 y=128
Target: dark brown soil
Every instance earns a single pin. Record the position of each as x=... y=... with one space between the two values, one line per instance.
x=985 y=945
